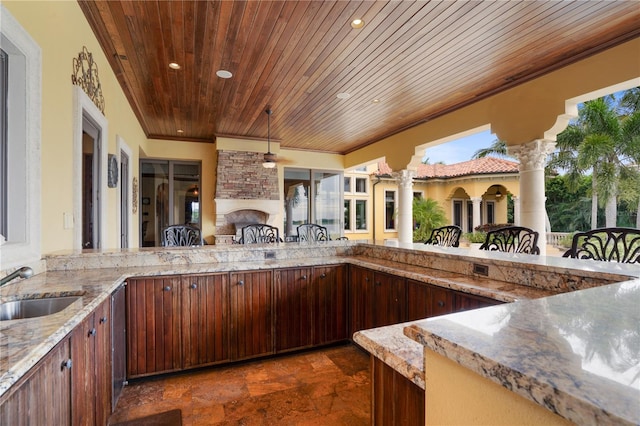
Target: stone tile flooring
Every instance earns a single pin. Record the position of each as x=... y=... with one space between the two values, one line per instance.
x=329 y=386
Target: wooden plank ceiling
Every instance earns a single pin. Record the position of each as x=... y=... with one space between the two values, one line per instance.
x=411 y=62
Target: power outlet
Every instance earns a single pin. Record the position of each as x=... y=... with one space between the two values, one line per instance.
x=269 y=254
x=481 y=269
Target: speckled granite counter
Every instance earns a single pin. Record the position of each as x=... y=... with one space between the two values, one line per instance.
x=94 y=275
x=576 y=354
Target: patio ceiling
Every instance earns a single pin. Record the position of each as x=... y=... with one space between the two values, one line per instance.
x=411 y=62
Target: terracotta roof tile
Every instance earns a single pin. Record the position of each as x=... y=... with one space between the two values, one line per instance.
x=484 y=165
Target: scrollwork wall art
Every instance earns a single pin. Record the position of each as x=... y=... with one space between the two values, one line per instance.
x=85 y=75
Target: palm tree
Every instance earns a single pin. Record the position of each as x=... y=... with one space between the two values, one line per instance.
x=497 y=148
x=606 y=144
x=427 y=215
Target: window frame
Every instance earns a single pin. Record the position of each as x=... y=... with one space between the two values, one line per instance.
x=395 y=206
x=23 y=143
x=366 y=185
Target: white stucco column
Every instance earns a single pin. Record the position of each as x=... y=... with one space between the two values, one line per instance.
x=516 y=210
x=476 y=212
x=405 y=205
x=533 y=156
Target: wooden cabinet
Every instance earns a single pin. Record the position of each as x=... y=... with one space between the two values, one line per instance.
x=250 y=312
x=118 y=344
x=389 y=302
x=153 y=326
x=91 y=372
x=376 y=299
x=395 y=399
x=465 y=302
x=43 y=395
x=205 y=323
x=330 y=304
x=293 y=301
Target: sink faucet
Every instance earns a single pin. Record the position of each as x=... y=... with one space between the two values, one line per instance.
x=24 y=272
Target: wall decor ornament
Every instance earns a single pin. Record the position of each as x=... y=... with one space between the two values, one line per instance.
x=85 y=75
x=134 y=195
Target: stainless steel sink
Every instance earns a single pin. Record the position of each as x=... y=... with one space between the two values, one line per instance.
x=32 y=308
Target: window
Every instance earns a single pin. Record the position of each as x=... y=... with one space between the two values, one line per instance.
x=361 y=215
x=361 y=185
x=491 y=212
x=417 y=194
x=457 y=213
x=19 y=144
x=347 y=184
x=313 y=196
x=347 y=215
x=170 y=192
x=389 y=210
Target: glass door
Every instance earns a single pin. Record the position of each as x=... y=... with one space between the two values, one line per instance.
x=328 y=207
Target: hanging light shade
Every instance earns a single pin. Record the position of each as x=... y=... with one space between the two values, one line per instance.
x=269 y=157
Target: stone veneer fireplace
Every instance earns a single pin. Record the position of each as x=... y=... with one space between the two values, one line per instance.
x=246 y=193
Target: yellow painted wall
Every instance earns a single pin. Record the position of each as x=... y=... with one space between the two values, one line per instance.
x=61 y=30
x=458 y=396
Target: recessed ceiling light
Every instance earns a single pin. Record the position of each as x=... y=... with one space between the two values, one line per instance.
x=343 y=95
x=224 y=74
x=375 y=101
x=174 y=66
x=180 y=131
x=357 y=24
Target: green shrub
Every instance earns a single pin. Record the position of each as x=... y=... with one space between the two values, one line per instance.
x=475 y=237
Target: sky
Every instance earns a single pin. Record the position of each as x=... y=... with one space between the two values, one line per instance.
x=460 y=149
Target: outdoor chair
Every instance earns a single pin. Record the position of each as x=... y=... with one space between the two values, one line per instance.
x=312 y=232
x=260 y=233
x=512 y=239
x=607 y=244
x=181 y=235
x=446 y=236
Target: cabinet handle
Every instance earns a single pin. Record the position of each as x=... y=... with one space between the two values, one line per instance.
x=241 y=282
x=92 y=332
x=66 y=364
x=193 y=286
x=366 y=278
x=377 y=282
x=304 y=277
x=323 y=275
x=167 y=288
x=103 y=320
x=440 y=303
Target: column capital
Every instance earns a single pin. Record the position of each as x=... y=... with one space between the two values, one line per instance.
x=476 y=199
x=532 y=155
x=405 y=178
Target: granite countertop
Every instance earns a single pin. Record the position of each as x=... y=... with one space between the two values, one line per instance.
x=576 y=354
x=24 y=342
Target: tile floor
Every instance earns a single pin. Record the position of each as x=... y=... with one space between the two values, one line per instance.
x=329 y=386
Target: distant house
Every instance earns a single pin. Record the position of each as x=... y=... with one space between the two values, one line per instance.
x=471 y=193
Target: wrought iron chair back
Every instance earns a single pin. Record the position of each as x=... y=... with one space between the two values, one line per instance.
x=260 y=233
x=607 y=244
x=312 y=232
x=512 y=239
x=446 y=236
x=181 y=235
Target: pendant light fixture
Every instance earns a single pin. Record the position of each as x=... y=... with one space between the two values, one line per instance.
x=269 y=158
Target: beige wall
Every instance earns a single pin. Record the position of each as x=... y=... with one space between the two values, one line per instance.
x=61 y=31
x=457 y=396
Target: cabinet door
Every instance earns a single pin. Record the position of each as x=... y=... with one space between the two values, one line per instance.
x=293 y=298
x=465 y=302
x=330 y=304
x=389 y=299
x=91 y=372
x=153 y=326
x=102 y=362
x=251 y=321
x=418 y=300
x=43 y=395
x=118 y=344
x=441 y=301
x=83 y=383
x=360 y=299
x=205 y=328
